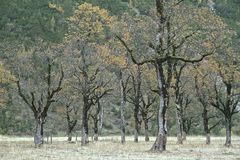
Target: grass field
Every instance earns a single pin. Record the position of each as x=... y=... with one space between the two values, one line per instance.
x=109 y=148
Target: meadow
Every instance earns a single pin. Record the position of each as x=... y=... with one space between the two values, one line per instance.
x=110 y=148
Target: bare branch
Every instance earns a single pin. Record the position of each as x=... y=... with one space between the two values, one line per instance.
x=214 y=125
x=130 y=51
x=177 y=3
x=183 y=40
x=32 y=107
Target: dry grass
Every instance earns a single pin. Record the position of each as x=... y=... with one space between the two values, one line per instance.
x=109 y=148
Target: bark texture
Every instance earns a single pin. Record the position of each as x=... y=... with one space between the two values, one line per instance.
x=122 y=106
x=84 y=139
x=71 y=123
x=161 y=140
x=38 y=137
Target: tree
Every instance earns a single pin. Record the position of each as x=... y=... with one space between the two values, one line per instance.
x=96 y=119
x=88 y=24
x=68 y=108
x=38 y=84
x=145 y=110
x=225 y=97
x=147 y=106
x=187 y=117
x=114 y=57
x=177 y=73
x=135 y=98
x=71 y=123
x=168 y=43
x=87 y=78
x=202 y=95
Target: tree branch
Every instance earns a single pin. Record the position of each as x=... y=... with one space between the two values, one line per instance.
x=32 y=107
x=214 y=125
x=130 y=51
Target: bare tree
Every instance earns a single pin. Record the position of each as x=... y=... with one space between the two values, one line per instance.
x=204 y=100
x=123 y=95
x=96 y=116
x=226 y=102
x=146 y=111
x=39 y=101
x=71 y=120
x=87 y=80
x=135 y=99
x=178 y=100
x=167 y=44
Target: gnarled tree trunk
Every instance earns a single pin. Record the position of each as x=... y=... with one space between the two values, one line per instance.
x=137 y=97
x=96 y=118
x=161 y=140
x=136 y=132
x=179 y=127
x=71 y=126
x=184 y=136
x=95 y=130
x=146 y=129
x=228 y=127
x=84 y=127
x=122 y=107
x=70 y=123
x=205 y=125
x=122 y=122
x=69 y=137
x=145 y=109
x=38 y=137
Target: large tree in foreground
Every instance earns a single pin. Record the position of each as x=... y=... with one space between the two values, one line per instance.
x=180 y=36
x=39 y=80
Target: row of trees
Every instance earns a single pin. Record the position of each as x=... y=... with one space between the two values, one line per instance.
x=159 y=61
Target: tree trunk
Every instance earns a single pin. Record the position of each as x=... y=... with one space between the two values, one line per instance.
x=184 y=136
x=136 y=132
x=84 y=127
x=137 y=103
x=69 y=133
x=146 y=129
x=69 y=138
x=95 y=129
x=122 y=123
x=161 y=140
x=205 y=124
x=71 y=126
x=38 y=137
x=122 y=108
x=208 y=138
x=228 y=126
x=101 y=117
x=179 y=125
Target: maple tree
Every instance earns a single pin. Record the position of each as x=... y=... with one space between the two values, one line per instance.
x=39 y=95
x=152 y=66
x=173 y=45
x=87 y=25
